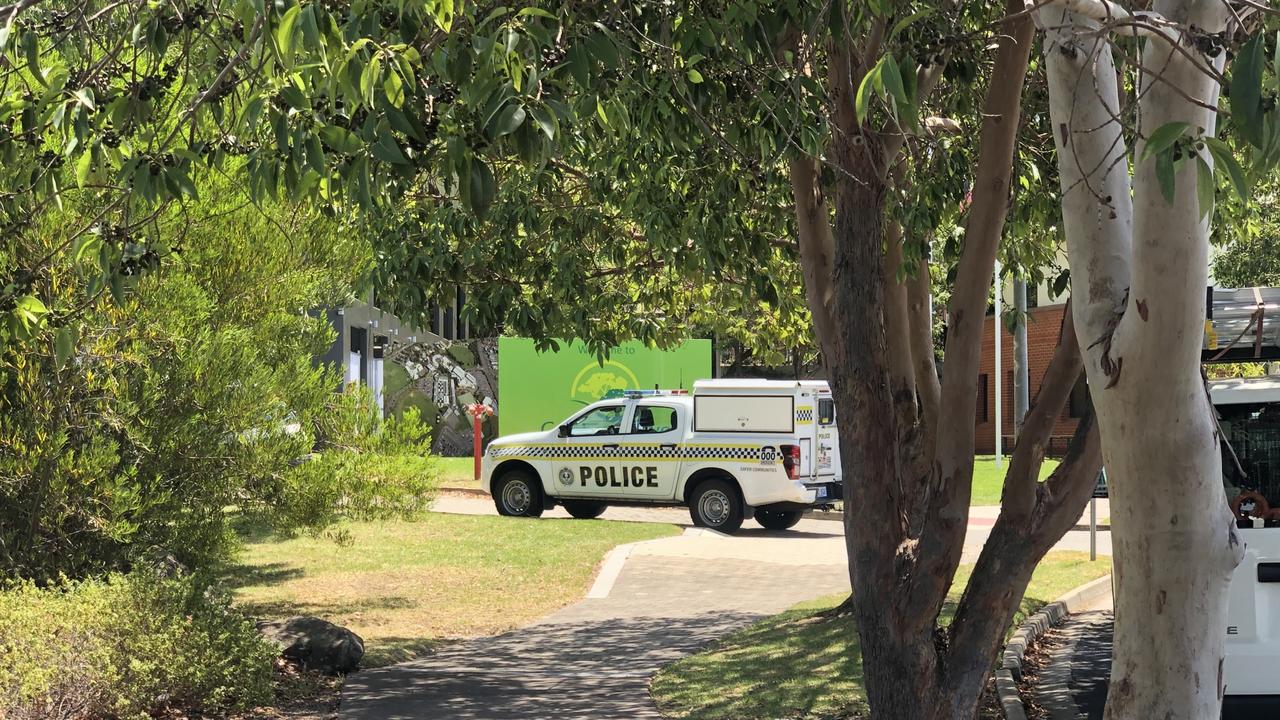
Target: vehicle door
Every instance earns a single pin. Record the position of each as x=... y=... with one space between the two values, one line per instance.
x=586 y=463
x=650 y=463
x=828 y=442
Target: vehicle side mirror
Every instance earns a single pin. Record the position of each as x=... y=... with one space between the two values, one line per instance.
x=563 y=431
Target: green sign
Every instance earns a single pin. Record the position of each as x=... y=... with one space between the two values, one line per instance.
x=536 y=391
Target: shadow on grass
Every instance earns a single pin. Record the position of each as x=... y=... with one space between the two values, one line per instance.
x=288 y=608
x=239 y=575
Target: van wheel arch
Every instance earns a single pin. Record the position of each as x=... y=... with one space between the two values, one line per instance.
x=513 y=465
x=701 y=476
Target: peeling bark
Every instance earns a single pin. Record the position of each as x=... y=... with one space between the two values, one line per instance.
x=1173 y=537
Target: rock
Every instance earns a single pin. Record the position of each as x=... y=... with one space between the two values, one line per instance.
x=316 y=644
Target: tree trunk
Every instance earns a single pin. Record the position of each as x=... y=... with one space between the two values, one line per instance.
x=1173 y=537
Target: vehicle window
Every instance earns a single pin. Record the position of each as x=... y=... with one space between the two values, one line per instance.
x=601 y=421
x=652 y=419
x=826 y=411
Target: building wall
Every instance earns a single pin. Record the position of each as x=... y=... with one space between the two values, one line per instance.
x=1043 y=326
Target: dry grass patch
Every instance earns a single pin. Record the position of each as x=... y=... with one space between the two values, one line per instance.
x=407 y=586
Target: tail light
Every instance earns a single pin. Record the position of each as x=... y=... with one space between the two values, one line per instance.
x=791 y=461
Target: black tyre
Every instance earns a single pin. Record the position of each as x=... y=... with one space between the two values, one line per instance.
x=518 y=494
x=584 y=509
x=715 y=505
x=778 y=519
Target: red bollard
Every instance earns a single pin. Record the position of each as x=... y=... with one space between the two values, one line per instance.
x=475 y=444
x=478 y=412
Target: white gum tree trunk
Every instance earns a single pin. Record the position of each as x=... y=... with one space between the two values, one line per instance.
x=1139 y=269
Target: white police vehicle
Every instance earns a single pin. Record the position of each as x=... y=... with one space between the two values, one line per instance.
x=1249 y=415
x=733 y=448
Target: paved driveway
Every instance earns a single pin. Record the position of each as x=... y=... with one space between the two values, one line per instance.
x=654 y=603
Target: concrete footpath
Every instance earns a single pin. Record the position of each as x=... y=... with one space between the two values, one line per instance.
x=653 y=603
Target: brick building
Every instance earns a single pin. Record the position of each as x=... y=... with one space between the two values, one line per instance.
x=1043 y=325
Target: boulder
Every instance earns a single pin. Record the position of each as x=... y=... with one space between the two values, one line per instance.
x=315 y=644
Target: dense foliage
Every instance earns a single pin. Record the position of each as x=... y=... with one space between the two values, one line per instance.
x=127 y=646
x=145 y=425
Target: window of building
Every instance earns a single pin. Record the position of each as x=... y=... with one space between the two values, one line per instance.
x=982 y=398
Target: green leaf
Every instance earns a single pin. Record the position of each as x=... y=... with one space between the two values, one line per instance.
x=1162 y=138
x=546 y=120
x=31 y=50
x=536 y=11
x=83 y=167
x=579 y=66
x=369 y=78
x=1165 y=175
x=393 y=86
x=30 y=310
x=695 y=77
x=284 y=34
x=64 y=344
x=1225 y=160
x=870 y=83
x=5 y=32
x=507 y=120
x=388 y=150
x=604 y=50
x=482 y=187
x=442 y=11
x=1205 y=187
x=341 y=139
x=1246 y=90
x=891 y=78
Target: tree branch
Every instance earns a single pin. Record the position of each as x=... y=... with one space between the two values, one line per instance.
x=1019 y=496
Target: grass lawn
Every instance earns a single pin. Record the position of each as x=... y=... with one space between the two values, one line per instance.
x=795 y=665
x=456 y=472
x=988 y=481
x=406 y=586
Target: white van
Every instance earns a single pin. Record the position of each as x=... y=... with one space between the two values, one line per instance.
x=1249 y=413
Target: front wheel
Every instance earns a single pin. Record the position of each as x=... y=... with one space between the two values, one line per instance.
x=584 y=509
x=518 y=495
x=715 y=505
x=778 y=519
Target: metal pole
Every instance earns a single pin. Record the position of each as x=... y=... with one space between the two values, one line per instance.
x=995 y=327
x=1093 y=529
x=1021 y=371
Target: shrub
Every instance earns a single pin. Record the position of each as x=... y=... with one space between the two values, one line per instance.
x=188 y=393
x=127 y=646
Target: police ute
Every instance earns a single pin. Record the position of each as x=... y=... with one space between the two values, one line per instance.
x=731 y=449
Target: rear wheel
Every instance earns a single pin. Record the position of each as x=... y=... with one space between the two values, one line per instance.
x=715 y=505
x=517 y=494
x=584 y=509
x=778 y=519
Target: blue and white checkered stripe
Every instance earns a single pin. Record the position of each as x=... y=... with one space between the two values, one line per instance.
x=627 y=452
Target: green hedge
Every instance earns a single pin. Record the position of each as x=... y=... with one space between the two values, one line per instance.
x=127 y=646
